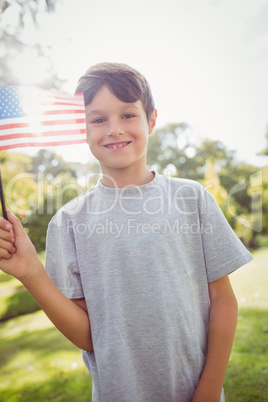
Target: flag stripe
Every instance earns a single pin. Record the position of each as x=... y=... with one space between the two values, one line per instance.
x=37 y=129
x=55 y=95
x=44 y=134
x=47 y=117
x=42 y=123
x=60 y=103
x=60 y=139
x=64 y=111
x=44 y=144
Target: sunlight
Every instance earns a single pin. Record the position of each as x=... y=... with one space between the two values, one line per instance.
x=32 y=107
x=29 y=68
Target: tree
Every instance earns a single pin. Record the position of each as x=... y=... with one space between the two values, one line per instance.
x=18 y=182
x=175 y=145
x=212 y=183
x=57 y=182
x=53 y=194
x=16 y=16
x=51 y=163
x=35 y=188
x=173 y=149
x=265 y=151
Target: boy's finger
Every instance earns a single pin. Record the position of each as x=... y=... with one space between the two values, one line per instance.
x=16 y=224
x=7 y=235
x=6 y=257
x=6 y=246
x=4 y=254
x=5 y=225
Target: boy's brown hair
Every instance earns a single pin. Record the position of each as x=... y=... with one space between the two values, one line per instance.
x=126 y=83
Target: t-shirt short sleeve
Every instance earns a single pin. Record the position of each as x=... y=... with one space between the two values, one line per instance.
x=223 y=250
x=61 y=262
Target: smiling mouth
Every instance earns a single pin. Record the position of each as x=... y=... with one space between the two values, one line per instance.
x=117 y=146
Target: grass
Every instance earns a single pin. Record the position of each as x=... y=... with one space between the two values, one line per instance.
x=246 y=377
x=38 y=364
x=14 y=299
x=250 y=282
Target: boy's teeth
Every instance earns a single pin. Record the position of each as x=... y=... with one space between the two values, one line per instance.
x=117 y=146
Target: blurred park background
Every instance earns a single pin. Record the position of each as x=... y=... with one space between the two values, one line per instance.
x=207 y=63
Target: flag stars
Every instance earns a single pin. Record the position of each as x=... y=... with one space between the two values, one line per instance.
x=10 y=105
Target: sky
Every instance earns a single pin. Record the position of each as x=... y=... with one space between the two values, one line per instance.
x=206 y=61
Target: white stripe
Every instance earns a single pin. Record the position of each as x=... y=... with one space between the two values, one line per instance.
x=30 y=93
x=46 y=93
x=47 y=108
x=29 y=119
x=43 y=140
x=40 y=129
x=55 y=117
x=51 y=100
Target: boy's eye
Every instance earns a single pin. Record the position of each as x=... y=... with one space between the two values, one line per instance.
x=98 y=121
x=128 y=116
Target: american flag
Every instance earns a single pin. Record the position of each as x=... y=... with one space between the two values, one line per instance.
x=35 y=117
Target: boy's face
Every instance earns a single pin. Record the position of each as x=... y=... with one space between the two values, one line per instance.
x=117 y=132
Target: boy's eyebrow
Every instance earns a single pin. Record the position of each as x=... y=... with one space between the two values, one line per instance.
x=98 y=111
x=95 y=111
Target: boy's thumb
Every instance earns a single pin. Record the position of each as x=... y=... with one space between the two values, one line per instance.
x=16 y=224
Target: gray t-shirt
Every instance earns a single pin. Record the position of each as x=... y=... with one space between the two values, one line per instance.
x=142 y=258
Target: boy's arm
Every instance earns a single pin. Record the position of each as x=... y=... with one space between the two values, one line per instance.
x=19 y=258
x=221 y=331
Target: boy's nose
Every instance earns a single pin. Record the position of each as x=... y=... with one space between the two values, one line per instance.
x=114 y=128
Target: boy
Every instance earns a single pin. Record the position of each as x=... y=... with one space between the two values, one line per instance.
x=138 y=264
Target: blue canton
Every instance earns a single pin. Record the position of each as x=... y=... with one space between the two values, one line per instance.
x=10 y=103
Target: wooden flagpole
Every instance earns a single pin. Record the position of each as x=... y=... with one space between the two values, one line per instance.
x=4 y=212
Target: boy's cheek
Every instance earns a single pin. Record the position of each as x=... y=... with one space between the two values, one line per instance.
x=89 y=134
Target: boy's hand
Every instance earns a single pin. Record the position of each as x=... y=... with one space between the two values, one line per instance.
x=17 y=253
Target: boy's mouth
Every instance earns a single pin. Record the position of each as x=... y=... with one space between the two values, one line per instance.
x=117 y=145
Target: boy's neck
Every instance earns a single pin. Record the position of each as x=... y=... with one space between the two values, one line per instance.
x=134 y=178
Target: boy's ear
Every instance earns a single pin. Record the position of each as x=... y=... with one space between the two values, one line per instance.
x=152 y=121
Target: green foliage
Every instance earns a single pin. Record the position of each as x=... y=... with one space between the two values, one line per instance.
x=36 y=188
x=51 y=163
x=19 y=303
x=174 y=145
x=265 y=200
x=174 y=151
x=18 y=182
x=170 y=147
x=265 y=151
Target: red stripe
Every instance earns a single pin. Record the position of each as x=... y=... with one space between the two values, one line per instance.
x=45 y=144
x=58 y=95
x=47 y=97
x=13 y=125
x=42 y=123
x=43 y=134
x=53 y=103
x=82 y=110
